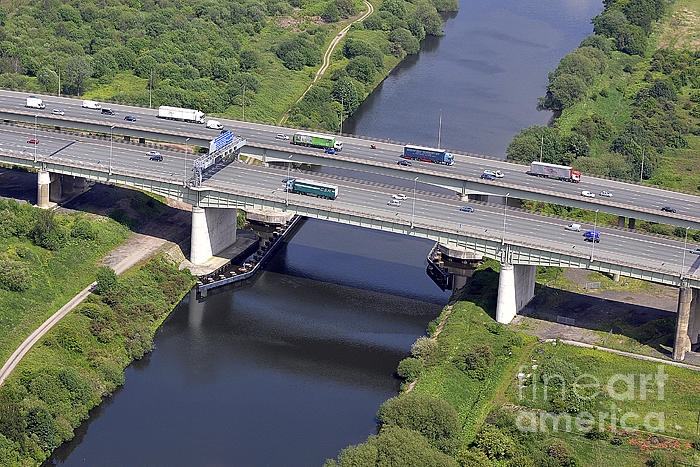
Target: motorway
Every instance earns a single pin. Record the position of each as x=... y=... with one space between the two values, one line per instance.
x=465 y=165
x=434 y=209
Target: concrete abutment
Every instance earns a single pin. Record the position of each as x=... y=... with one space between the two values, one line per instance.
x=213 y=229
x=516 y=287
x=687 y=321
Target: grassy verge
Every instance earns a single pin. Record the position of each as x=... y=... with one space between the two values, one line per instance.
x=50 y=277
x=82 y=359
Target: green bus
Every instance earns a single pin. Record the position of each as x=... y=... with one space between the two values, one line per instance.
x=316 y=141
x=308 y=187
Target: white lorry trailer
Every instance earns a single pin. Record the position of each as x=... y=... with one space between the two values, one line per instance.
x=177 y=113
x=559 y=172
x=34 y=102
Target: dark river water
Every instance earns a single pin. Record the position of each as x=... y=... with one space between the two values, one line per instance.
x=284 y=371
x=485 y=74
x=291 y=368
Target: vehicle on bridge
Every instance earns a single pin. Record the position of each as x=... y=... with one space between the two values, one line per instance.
x=494 y=173
x=559 y=172
x=316 y=141
x=311 y=188
x=34 y=102
x=91 y=105
x=215 y=124
x=592 y=236
x=420 y=153
x=178 y=113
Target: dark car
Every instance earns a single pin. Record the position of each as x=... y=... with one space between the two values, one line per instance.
x=331 y=151
x=466 y=209
x=668 y=209
x=403 y=162
x=155 y=156
x=488 y=177
x=130 y=118
x=106 y=111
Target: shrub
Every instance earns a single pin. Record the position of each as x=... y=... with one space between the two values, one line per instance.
x=495 y=444
x=424 y=348
x=14 y=275
x=434 y=418
x=83 y=230
x=560 y=451
x=107 y=280
x=409 y=368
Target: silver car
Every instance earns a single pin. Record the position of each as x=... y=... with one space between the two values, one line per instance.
x=58 y=112
x=282 y=137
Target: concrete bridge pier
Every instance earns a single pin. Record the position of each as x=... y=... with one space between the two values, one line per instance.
x=213 y=229
x=621 y=222
x=687 y=321
x=516 y=287
x=66 y=187
x=43 y=186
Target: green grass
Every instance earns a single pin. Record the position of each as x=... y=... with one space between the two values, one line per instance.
x=56 y=277
x=123 y=82
x=466 y=327
x=94 y=344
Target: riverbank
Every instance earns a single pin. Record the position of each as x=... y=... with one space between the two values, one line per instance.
x=81 y=360
x=489 y=375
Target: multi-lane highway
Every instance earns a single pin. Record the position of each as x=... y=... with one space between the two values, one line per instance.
x=440 y=210
x=626 y=194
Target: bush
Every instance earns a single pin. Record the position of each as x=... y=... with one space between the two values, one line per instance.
x=560 y=451
x=495 y=444
x=424 y=348
x=409 y=368
x=107 y=280
x=83 y=230
x=434 y=418
x=14 y=275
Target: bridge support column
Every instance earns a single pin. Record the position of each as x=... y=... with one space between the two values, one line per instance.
x=516 y=287
x=687 y=322
x=213 y=229
x=616 y=277
x=632 y=222
x=43 y=185
x=621 y=222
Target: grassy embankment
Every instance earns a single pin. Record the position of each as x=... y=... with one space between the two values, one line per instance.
x=473 y=367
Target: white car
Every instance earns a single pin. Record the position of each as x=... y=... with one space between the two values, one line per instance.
x=588 y=194
x=58 y=112
x=695 y=251
x=282 y=137
x=394 y=202
x=399 y=197
x=573 y=227
x=605 y=194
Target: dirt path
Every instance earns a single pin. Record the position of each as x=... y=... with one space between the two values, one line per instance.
x=137 y=248
x=327 y=56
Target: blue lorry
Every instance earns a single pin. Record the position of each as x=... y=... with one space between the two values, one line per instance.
x=420 y=153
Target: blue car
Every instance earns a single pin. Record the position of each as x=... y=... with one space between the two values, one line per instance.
x=331 y=151
x=466 y=209
x=592 y=236
x=488 y=177
x=130 y=118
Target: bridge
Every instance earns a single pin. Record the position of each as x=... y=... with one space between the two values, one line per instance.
x=630 y=200
x=520 y=241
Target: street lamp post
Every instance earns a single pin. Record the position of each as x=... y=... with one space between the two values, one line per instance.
x=184 y=180
x=413 y=208
x=505 y=205
x=641 y=171
x=595 y=228
x=35 y=143
x=244 y=102
x=286 y=184
x=685 y=247
x=110 y=149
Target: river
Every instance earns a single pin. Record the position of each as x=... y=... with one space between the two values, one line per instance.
x=485 y=74
x=291 y=368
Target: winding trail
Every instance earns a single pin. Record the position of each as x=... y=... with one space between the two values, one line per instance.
x=137 y=248
x=327 y=56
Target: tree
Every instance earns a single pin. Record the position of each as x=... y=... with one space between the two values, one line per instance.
x=564 y=92
x=346 y=7
x=405 y=39
x=609 y=22
x=47 y=233
x=597 y=41
x=434 y=418
x=361 y=68
x=107 y=280
x=344 y=91
x=577 y=64
x=331 y=14
x=249 y=59
x=48 y=79
x=631 y=40
x=525 y=146
x=429 y=18
x=76 y=72
x=395 y=7
x=409 y=368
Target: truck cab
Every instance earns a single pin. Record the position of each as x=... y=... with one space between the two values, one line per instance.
x=338 y=146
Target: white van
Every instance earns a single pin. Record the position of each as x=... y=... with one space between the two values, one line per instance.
x=215 y=124
x=91 y=105
x=573 y=227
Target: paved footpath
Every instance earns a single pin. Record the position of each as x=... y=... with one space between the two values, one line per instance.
x=137 y=248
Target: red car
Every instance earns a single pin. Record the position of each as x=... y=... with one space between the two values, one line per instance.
x=33 y=141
